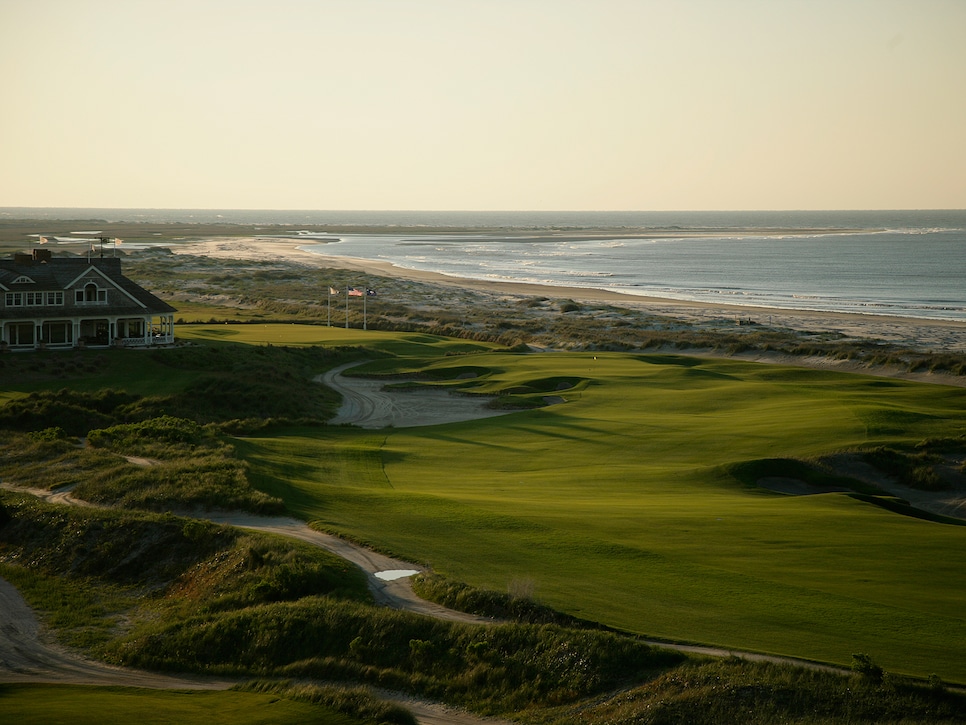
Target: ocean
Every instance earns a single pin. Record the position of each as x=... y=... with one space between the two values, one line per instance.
x=902 y=263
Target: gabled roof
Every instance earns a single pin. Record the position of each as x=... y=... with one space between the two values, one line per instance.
x=59 y=273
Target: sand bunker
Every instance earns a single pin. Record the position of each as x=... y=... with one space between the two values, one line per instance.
x=392 y=575
x=950 y=502
x=367 y=405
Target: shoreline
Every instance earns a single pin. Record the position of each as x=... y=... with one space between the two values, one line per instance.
x=932 y=334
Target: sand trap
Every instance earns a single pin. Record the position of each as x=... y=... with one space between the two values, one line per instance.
x=366 y=404
x=392 y=575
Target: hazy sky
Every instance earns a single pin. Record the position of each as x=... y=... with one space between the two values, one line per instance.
x=483 y=104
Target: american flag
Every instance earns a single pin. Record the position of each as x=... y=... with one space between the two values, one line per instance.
x=355 y=292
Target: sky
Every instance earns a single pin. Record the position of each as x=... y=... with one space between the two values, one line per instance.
x=483 y=104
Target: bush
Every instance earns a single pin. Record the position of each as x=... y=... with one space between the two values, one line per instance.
x=866 y=669
x=132 y=437
x=49 y=434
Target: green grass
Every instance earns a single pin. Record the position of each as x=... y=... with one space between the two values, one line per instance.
x=79 y=705
x=617 y=506
x=402 y=344
x=730 y=690
x=627 y=504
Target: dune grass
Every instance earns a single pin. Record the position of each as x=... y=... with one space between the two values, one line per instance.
x=617 y=505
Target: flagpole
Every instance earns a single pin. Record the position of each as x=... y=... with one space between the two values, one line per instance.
x=347 y=307
x=365 y=296
x=329 y=295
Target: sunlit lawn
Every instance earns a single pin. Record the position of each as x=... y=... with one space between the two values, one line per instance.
x=406 y=344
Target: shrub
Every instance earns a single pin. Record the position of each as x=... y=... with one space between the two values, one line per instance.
x=866 y=669
x=356 y=702
x=132 y=437
x=55 y=433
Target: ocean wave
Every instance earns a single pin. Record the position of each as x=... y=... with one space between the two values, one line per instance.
x=595 y=275
x=877 y=273
x=924 y=230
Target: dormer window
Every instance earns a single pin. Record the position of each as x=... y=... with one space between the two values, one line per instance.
x=23 y=279
x=90 y=294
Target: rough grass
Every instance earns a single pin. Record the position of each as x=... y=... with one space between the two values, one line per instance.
x=208 y=384
x=45 y=704
x=732 y=691
x=86 y=567
x=201 y=474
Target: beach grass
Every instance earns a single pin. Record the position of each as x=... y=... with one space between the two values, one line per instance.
x=618 y=505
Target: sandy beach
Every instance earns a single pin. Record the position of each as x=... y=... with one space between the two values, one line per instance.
x=921 y=334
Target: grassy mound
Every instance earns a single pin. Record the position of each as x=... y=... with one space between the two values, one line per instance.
x=85 y=568
x=205 y=383
x=733 y=690
x=188 y=468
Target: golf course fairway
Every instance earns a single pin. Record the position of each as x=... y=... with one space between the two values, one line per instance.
x=618 y=503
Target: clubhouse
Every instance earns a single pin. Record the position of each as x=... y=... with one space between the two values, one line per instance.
x=74 y=302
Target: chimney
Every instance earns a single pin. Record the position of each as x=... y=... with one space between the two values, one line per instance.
x=41 y=255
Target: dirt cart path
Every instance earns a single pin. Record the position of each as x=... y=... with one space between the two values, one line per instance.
x=388 y=578
x=27 y=655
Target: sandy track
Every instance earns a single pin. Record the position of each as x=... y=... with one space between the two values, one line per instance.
x=28 y=655
x=395 y=593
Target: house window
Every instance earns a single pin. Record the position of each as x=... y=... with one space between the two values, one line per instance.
x=90 y=294
x=57 y=332
x=33 y=299
x=20 y=333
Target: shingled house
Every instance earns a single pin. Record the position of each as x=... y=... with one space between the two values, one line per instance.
x=67 y=302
